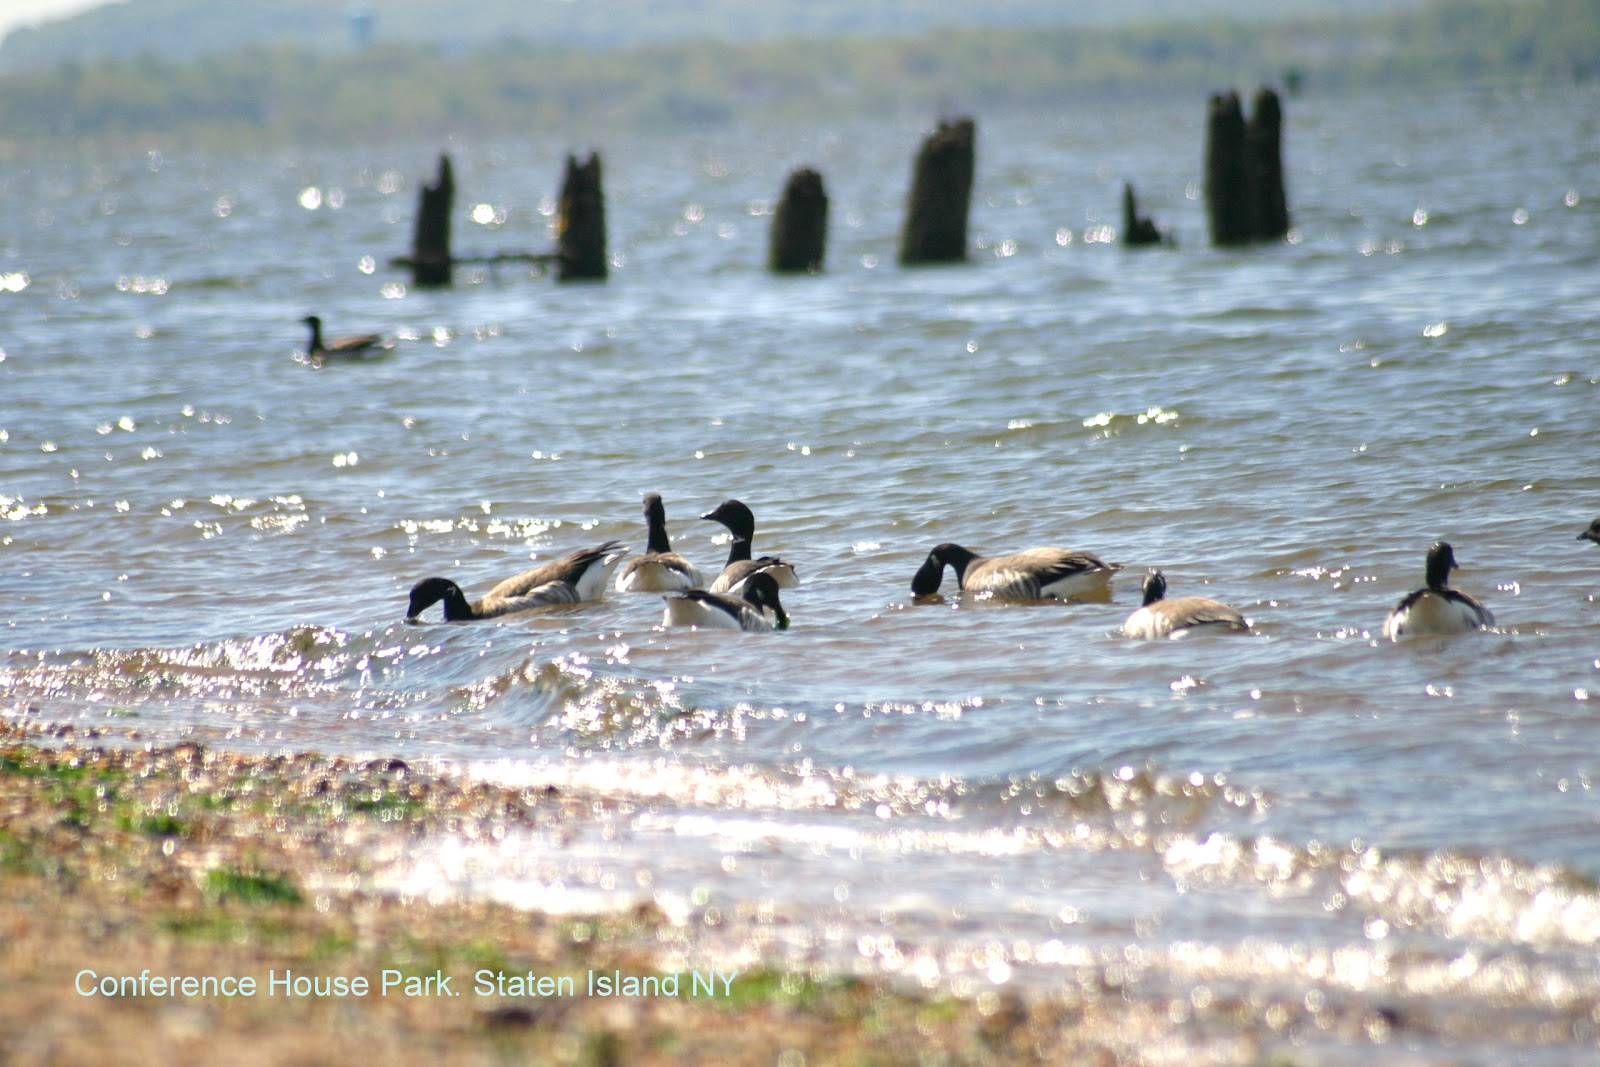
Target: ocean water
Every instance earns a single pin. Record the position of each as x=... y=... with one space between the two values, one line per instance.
x=1392 y=844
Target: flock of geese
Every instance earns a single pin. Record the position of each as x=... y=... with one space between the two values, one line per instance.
x=744 y=595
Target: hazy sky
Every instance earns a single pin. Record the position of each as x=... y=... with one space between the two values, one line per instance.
x=14 y=13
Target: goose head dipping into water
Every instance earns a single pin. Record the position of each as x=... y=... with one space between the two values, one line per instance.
x=1032 y=574
x=572 y=579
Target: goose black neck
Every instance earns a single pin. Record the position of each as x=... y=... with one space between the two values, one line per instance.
x=957 y=558
x=657 y=526
x=1440 y=562
x=430 y=591
x=456 y=606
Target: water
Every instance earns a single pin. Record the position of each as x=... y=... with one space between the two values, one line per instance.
x=204 y=538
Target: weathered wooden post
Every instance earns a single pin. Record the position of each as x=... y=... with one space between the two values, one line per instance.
x=1137 y=230
x=430 y=241
x=581 y=223
x=941 y=194
x=799 y=234
x=1245 y=199
x=1227 y=180
x=1269 y=207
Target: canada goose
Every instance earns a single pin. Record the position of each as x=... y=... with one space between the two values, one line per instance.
x=1032 y=574
x=572 y=579
x=1436 y=608
x=742 y=524
x=721 y=611
x=659 y=570
x=359 y=345
x=1592 y=533
x=1160 y=617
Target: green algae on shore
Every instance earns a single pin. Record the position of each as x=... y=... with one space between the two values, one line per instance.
x=123 y=866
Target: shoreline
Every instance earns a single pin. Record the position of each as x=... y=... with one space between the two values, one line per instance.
x=191 y=904
x=133 y=869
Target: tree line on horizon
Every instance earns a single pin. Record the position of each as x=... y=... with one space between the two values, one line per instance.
x=188 y=29
x=292 y=94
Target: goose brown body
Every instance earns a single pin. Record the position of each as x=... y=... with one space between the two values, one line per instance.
x=1032 y=574
x=572 y=579
x=1160 y=617
x=362 y=345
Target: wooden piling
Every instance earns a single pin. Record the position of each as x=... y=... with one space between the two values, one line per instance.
x=430 y=260
x=1245 y=199
x=1137 y=231
x=1269 y=208
x=581 y=223
x=1227 y=181
x=799 y=233
x=941 y=194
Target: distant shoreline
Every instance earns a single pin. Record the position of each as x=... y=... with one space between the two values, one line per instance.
x=279 y=93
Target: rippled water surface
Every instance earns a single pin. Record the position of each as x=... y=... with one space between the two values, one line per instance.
x=204 y=537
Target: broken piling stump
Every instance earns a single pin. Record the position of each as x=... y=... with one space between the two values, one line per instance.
x=430 y=260
x=1264 y=143
x=1227 y=182
x=799 y=233
x=941 y=195
x=1137 y=230
x=1245 y=199
x=581 y=224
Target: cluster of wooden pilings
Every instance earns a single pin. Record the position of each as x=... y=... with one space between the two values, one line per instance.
x=1244 y=201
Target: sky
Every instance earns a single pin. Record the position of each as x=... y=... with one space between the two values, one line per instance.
x=14 y=13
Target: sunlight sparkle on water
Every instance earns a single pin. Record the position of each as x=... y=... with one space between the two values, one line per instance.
x=488 y=215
